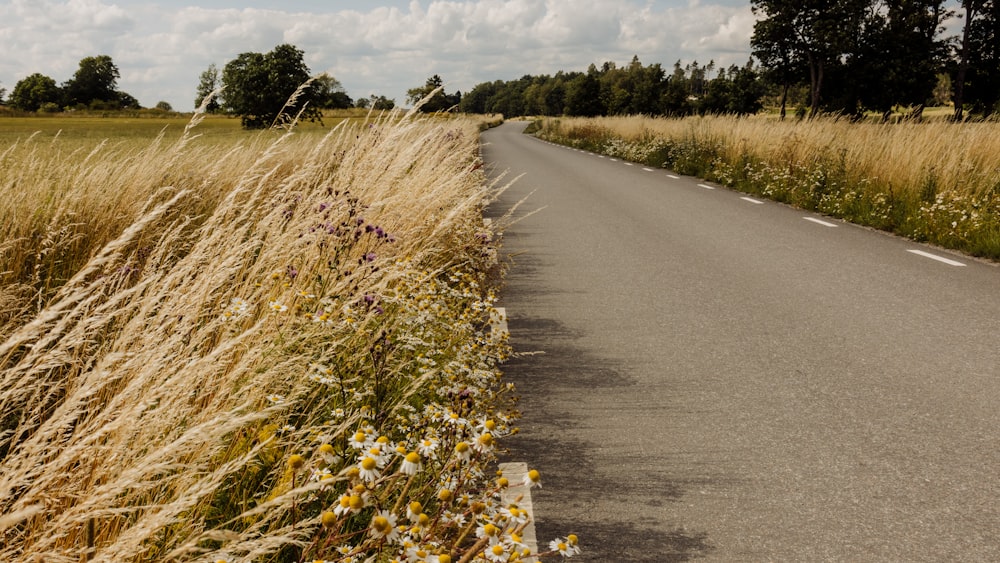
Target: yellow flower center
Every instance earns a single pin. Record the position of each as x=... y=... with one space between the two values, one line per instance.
x=368 y=464
x=381 y=524
x=413 y=457
x=416 y=507
x=357 y=503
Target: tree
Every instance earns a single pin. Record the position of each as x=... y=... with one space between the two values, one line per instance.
x=34 y=91
x=258 y=86
x=439 y=101
x=95 y=80
x=978 y=76
x=329 y=93
x=164 y=106
x=583 y=95
x=381 y=103
x=208 y=83
x=816 y=33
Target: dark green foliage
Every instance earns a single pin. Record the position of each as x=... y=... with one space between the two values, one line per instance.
x=258 y=86
x=95 y=81
x=438 y=101
x=33 y=92
x=208 y=83
x=629 y=90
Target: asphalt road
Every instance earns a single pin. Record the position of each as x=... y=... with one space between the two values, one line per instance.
x=732 y=380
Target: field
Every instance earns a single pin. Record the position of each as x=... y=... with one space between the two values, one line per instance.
x=933 y=181
x=218 y=345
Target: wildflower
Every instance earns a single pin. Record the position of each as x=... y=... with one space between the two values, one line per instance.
x=275 y=399
x=237 y=309
x=533 y=479
x=463 y=451
x=286 y=429
x=326 y=453
x=411 y=464
x=359 y=441
x=277 y=307
x=328 y=519
x=454 y=419
x=413 y=511
x=369 y=469
x=565 y=546
x=484 y=442
x=295 y=462
x=497 y=553
x=427 y=447
x=305 y=295
x=384 y=526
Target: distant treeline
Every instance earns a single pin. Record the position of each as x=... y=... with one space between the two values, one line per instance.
x=631 y=89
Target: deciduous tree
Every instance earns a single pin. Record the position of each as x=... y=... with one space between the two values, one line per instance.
x=258 y=87
x=34 y=91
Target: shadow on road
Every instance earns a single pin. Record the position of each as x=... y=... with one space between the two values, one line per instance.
x=552 y=375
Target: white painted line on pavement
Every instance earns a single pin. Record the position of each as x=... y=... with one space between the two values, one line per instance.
x=820 y=222
x=648 y=169
x=706 y=186
x=600 y=156
x=752 y=200
x=628 y=164
x=936 y=257
x=674 y=177
x=614 y=160
x=515 y=472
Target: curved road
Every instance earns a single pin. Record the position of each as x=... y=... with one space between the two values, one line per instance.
x=736 y=380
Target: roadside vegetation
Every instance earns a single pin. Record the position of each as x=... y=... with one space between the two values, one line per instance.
x=272 y=346
x=933 y=181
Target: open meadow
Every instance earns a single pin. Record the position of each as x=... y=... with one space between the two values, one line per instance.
x=933 y=181
x=218 y=345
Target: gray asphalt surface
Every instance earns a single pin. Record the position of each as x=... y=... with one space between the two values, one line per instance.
x=728 y=380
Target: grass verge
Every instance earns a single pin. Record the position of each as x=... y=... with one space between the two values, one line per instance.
x=935 y=181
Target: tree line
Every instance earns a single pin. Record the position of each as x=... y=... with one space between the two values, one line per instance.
x=94 y=85
x=631 y=89
x=852 y=56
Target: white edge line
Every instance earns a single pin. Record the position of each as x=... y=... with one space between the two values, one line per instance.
x=752 y=200
x=515 y=472
x=820 y=222
x=936 y=257
x=706 y=186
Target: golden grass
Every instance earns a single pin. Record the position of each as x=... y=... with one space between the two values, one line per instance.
x=144 y=416
x=965 y=156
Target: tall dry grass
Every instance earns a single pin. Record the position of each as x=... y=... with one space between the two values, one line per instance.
x=934 y=180
x=195 y=335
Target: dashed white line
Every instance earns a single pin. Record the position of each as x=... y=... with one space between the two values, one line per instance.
x=648 y=169
x=820 y=222
x=706 y=186
x=936 y=257
x=674 y=177
x=752 y=200
x=614 y=160
x=628 y=164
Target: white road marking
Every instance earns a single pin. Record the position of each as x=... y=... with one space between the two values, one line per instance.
x=936 y=257
x=614 y=160
x=628 y=164
x=706 y=186
x=752 y=200
x=674 y=177
x=648 y=169
x=820 y=222
x=600 y=156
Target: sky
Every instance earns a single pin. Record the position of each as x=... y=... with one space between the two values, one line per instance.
x=161 y=47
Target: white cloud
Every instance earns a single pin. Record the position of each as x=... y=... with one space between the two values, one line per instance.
x=161 y=50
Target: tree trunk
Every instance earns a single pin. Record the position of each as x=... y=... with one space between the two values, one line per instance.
x=963 y=63
x=784 y=98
